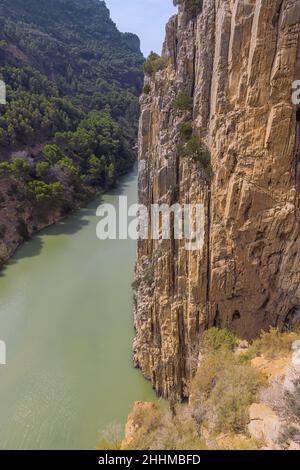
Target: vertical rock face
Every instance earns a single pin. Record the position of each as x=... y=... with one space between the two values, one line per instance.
x=237 y=59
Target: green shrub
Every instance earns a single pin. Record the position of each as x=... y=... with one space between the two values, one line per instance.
x=147 y=89
x=5 y=168
x=183 y=102
x=52 y=153
x=135 y=284
x=44 y=192
x=216 y=339
x=148 y=276
x=185 y=131
x=153 y=64
x=42 y=169
x=193 y=6
x=199 y=152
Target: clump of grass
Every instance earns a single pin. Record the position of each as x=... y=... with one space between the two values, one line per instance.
x=272 y=344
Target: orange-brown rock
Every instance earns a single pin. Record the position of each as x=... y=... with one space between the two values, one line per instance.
x=237 y=60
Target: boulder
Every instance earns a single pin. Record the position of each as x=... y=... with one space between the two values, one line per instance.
x=264 y=424
x=293 y=373
x=295 y=346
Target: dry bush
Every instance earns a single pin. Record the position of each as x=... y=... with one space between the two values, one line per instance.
x=111 y=438
x=272 y=344
x=160 y=430
x=216 y=339
x=237 y=442
x=223 y=389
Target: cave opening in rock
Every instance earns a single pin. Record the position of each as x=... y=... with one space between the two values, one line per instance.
x=292 y=320
x=236 y=316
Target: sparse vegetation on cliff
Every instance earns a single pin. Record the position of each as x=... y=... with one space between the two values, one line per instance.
x=193 y=6
x=183 y=102
x=186 y=131
x=147 y=89
x=196 y=150
x=153 y=64
x=271 y=344
x=216 y=340
x=221 y=393
x=223 y=389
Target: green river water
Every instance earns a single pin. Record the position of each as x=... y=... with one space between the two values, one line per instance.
x=66 y=318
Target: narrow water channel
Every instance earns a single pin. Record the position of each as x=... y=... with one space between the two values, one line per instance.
x=66 y=318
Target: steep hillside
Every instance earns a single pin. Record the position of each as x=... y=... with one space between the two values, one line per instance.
x=243 y=397
x=70 y=122
x=218 y=127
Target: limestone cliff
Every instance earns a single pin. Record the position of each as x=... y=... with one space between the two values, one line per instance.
x=237 y=60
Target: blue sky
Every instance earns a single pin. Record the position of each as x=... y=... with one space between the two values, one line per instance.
x=146 y=18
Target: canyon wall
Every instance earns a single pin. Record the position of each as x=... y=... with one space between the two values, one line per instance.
x=237 y=60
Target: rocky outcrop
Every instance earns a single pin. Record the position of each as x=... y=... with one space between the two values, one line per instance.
x=135 y=422
x=264 y=424
x=276 y=422
x=237 y=61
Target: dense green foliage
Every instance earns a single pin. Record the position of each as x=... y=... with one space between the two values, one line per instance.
x=73 y=82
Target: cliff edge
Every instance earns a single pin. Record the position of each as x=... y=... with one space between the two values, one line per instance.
x=227 y=72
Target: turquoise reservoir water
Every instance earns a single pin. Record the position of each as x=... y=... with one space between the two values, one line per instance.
x=66 y=318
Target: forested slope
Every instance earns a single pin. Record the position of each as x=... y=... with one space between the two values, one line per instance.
x=73 y=82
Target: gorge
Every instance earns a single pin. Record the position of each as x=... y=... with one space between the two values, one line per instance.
x=214 y=327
